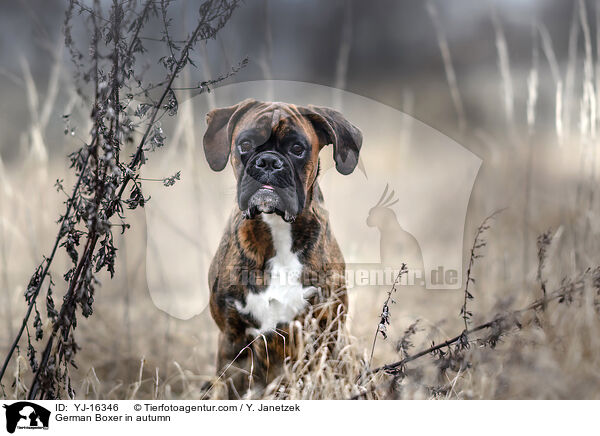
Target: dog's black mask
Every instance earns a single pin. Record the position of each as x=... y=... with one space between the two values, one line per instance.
x=271 y=180
x=274 y=150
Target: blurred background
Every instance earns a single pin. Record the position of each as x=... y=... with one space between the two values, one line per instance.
x=386 y=50
x=514 y=81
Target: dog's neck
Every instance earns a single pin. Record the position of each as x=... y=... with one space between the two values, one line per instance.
x=281 y=234
x=259 y=240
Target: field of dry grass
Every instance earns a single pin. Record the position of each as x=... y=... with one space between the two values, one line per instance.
x=546 y=178
x=131 y=349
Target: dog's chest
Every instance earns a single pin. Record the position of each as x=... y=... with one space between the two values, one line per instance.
x=285 y=297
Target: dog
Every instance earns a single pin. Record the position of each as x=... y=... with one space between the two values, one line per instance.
x=278 y=260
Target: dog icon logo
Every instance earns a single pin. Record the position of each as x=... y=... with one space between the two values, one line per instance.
x=26 y=415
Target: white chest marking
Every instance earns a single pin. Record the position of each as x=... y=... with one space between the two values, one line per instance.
x=285 y=297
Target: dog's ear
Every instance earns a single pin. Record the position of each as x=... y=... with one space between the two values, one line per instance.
x=217 y=138
x=333 y=128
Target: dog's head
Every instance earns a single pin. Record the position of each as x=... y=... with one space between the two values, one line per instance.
x=274 y=150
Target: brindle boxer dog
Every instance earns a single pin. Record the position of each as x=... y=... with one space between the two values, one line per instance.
x=278 y=260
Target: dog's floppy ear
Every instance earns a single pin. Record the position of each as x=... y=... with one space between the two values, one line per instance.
x=217 y=138
x=333 y=128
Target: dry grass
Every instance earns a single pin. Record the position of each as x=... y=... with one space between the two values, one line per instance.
x=555 y=355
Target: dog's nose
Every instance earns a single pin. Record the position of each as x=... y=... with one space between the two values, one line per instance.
x=269 y=162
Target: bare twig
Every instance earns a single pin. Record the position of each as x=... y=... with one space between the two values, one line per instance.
x=384 y=318
x=543 y=242
x=48 y=262
x=478 y=244
x=564 y=293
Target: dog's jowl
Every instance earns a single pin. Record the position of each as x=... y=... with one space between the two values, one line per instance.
x=278 y=261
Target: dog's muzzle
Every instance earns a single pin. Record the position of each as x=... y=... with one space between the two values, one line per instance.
x=268 y=185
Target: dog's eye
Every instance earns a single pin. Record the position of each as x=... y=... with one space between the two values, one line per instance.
x=297 y=149
x=245 y=146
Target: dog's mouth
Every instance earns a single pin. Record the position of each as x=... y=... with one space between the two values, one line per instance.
x=267 y=200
